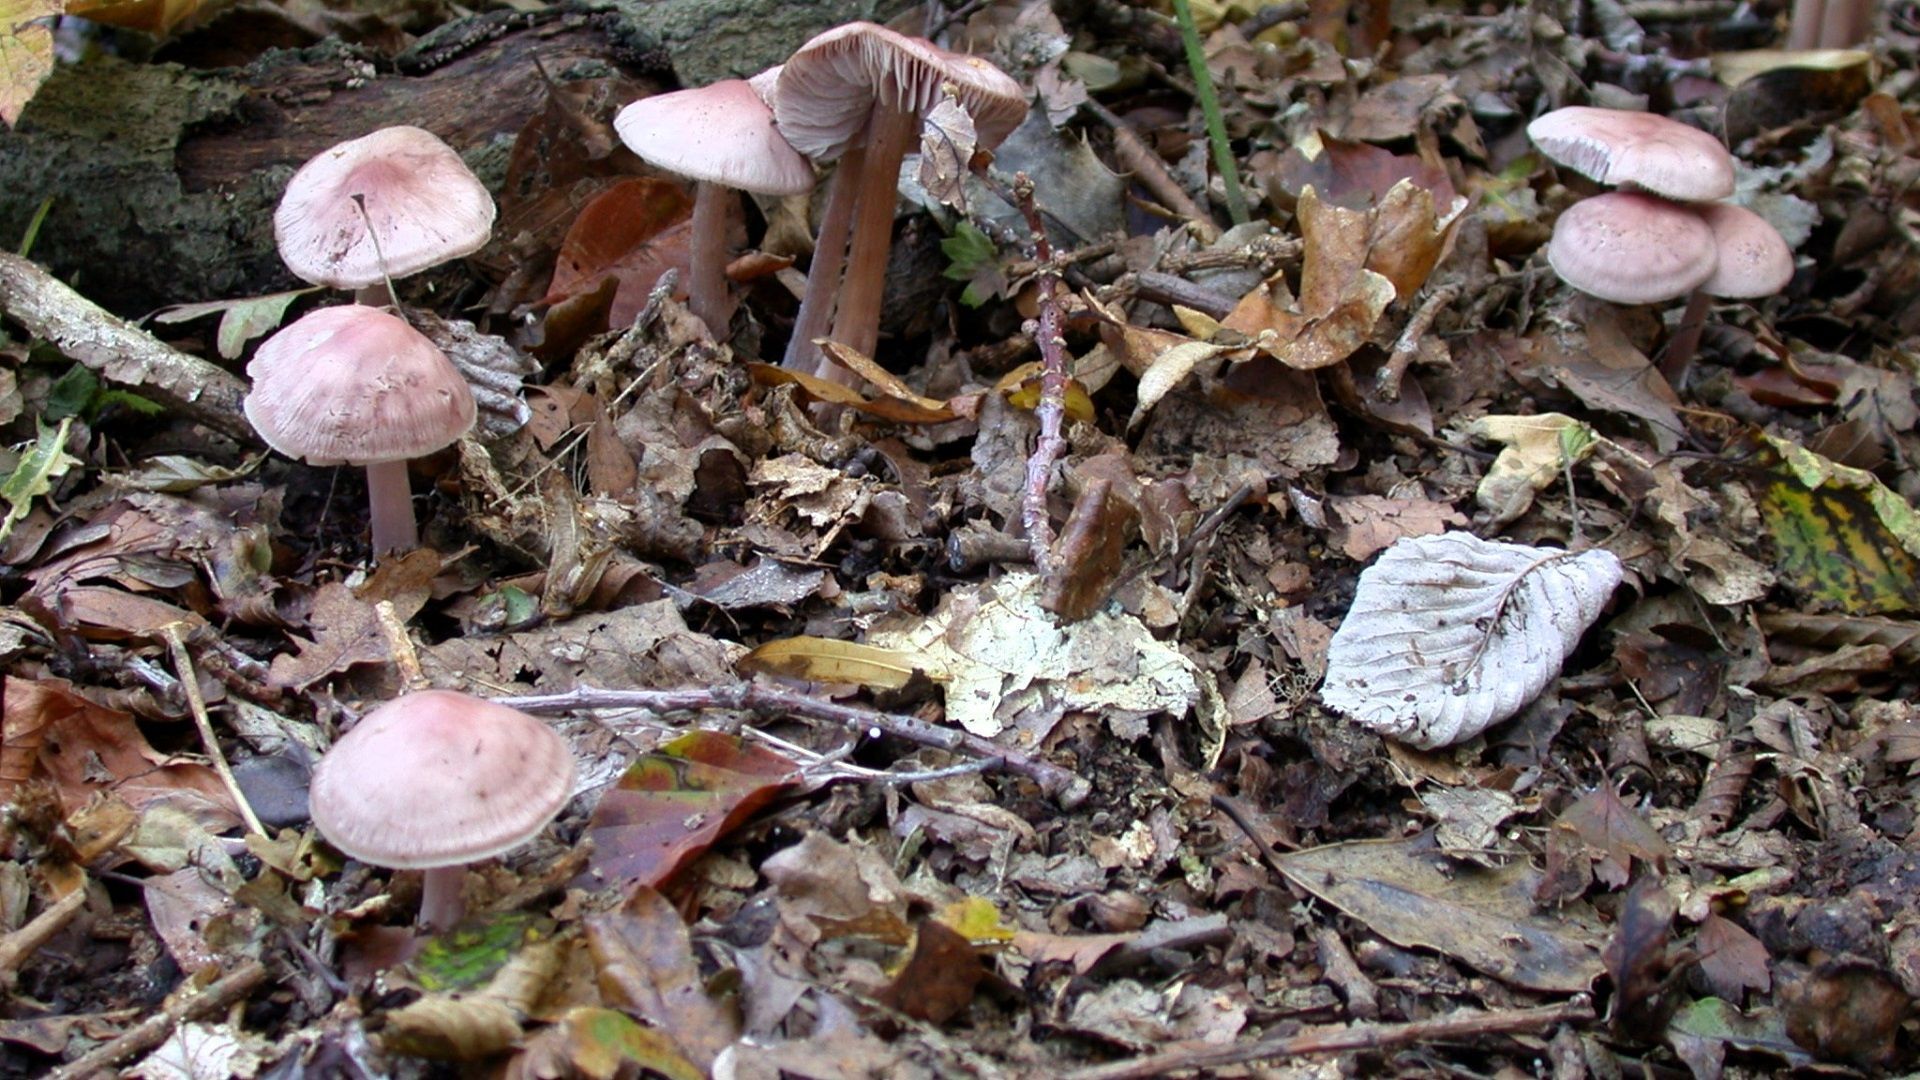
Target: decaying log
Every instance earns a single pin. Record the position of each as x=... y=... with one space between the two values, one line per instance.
x=164 y=178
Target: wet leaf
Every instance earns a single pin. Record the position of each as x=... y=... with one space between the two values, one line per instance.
x=671 y=805
x=1493 y=622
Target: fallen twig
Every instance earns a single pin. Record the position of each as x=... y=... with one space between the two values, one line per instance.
x=1052 y=409
x=151 y=1032
x=1464 y=1024
x=1135 y=156
x=24 y=942
x=120 y=352
x=1064 y=786
x=197 y=705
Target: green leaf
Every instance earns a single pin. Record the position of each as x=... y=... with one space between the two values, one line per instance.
x=967 y=250
x=43 y=462
x=71 y=393
x=468 y=956
x=80 y=393
x=241 y=320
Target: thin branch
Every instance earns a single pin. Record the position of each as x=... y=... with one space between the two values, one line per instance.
x=1052 y=409
x=121 y=353
x=1068 y=788
x=151 y=1032
x=1464 y=1024
x=197 y=705
x=16 y=947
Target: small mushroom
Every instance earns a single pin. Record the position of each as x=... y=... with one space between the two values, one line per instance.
x=1632 y=248
x=436 y=780
x=1666 y=236
x=384 y=205
x=355 y=385
x=1636 y=149
x=721 y=136
x=1751 y=260
x=858 y=93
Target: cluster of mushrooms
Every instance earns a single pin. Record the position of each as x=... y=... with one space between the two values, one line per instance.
x=438 y=779
x=856 y=94
x=1666 y=233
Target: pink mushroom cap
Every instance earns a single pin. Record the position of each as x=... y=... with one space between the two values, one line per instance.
x=1632 y=248
x=425 y=205
x=354 y=384
x=440 y=778
x=1636 y=149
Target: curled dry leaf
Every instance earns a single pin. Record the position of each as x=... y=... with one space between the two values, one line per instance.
x=1451 y=634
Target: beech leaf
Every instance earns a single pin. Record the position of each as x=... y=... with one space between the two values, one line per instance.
x=1451 y=634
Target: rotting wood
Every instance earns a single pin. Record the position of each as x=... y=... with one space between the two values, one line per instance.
x=120 y=352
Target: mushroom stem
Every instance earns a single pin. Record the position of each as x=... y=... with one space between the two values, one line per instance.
x=443 y=902
x=707 y=275
x=390 y=502
x=829 y=257
x=857 y=322
x=1686 y=339
x=1803 y=32
x=376 y=295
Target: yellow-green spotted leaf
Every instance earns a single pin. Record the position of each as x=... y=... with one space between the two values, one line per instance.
x=1841 y=536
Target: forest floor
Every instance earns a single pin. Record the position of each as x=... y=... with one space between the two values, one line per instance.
x=872 y=778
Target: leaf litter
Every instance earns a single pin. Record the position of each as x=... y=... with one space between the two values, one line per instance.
x=895 y=791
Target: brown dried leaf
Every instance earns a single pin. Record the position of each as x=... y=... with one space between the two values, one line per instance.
x=645 y=959
x=1731 y=959
x=939 y=979
x=1371 y=523
x=87 y=749
x=1613 y=835
x=633 y=232
x=946 y=149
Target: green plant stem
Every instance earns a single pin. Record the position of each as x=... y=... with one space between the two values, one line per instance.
x=1210 y=108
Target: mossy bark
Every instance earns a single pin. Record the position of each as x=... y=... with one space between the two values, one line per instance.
x=164 y=178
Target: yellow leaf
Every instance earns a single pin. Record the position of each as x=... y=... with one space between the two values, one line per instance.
x=26 y=52
x=828 y=660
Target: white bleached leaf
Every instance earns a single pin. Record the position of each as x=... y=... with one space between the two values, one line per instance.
x=946 y=148
x=1451 y=634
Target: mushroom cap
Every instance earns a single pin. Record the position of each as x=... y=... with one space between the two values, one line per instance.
x=721 y=134
x=1754 y=259
x=1637 y=149
x=354 y=384
x=1632 y=248
x=439 y=778
x=425 y=204
x=828 y=89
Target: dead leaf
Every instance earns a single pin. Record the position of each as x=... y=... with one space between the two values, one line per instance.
x=632 y=232
x=646 y=968
x=672 y=804
x=86 y=750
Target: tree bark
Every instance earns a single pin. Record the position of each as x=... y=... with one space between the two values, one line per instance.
x=164 y=178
